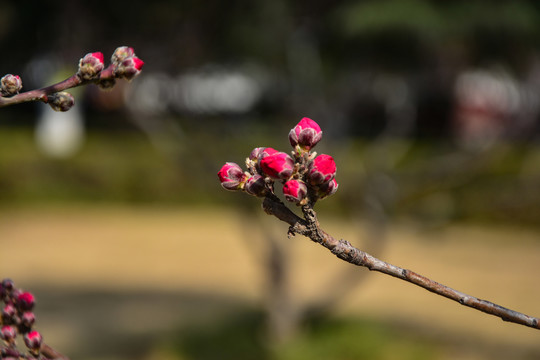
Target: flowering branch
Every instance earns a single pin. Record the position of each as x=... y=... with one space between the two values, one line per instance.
x=17 y=318
x=124 y=64
x=305 y=180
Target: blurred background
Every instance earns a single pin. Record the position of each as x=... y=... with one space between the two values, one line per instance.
x=113 y=216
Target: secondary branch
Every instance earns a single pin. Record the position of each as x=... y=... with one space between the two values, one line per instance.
x=310 y=228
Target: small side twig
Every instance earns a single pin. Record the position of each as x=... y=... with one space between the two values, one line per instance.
x=310 y=228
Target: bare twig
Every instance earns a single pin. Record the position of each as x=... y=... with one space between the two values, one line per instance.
x=310 y=228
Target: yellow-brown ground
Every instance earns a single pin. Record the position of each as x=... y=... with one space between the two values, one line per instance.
x=206 y=250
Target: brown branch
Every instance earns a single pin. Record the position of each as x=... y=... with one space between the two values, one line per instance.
x=310 y=228
x=42 y=94
x=51 y=353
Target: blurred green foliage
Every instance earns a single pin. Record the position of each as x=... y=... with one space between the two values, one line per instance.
x=431 y=182
x=241 y=338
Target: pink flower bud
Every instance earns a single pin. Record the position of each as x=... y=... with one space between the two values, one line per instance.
x=28 y=318
x=121 y=53
x=11 y=354
x=61 y=101
x=256 y=153
x=254 y=159
x=8 y=333
x=255 y=185
x=322 y=169
x=265 y=151
x=8 y=312
x=278 y=165
x=306 y=134
x=25 y=301
x=327 y=189
x=231 y=176
x=294 y=190
x=90 y=66
x=129 y=68
x=10 y=85
x=7 y=284
x=33 y=340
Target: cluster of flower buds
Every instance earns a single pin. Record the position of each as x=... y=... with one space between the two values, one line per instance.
x=304 y=175
x=18 y=319
x=124 y=65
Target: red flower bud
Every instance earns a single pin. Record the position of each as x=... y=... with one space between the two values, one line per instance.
x=7 y=284
x=264 y=152
x=307 y=133
x=128 y=68
x=61 y=101
x=8 y=333
x=33 y=340
x=25 y=301
x=327 y=189
x=294 y=190
x=231 y=176
x=255 y=185
x=28 y=318
x=121 y=53
x=10 y=85
x=90 y=66
x=256 y=153
x=11 y=354
x=279 y=165
x=322 y=169
x=8 y=312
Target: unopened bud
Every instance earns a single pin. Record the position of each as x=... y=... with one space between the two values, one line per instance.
x=327 y=189
x=90 y=66
x=278 y=165
x=10 y=354
x=61 y=101
x=294 y=191
x=10 y=85
x=8 y=333
x=121 y=53
x=256 y=186
x=254 y=159
x=322 y=169
x=306 y=134
x=33 y=340
x=8 y=284
x=263 y=152
x=128 y=68
x=8 y=313
x=26 y=301
x=28 y=319
x=5 y=288
x=231 y=176
x=256 y=153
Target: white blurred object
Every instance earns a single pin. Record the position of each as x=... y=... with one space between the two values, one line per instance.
x=214 y=90
x=60 y=134
x=487 y=107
